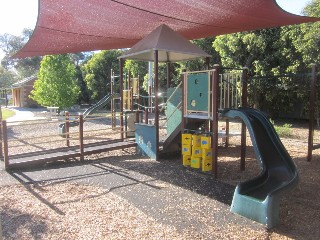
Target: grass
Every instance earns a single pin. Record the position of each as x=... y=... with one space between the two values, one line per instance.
x=284 y=130
x=6 y=113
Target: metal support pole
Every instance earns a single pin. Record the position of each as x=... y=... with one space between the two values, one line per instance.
x=67 y=129
x=156 y=101
x=214 y=123
x=150 y=98
x=81 y=137
x=168 y=75
x=244 y=102
x=312 y=101
x=146 y=113
x=121 y=63
x=5 y=145
x=129 y=80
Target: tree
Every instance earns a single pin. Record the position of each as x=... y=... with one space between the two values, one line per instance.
x=10 y=44
x=138 y=69
x=84 y=96
x=97 y=72
x=56 y=84
x=306 y=37
x=200 y=64
x=7 y=77
x=268 y=53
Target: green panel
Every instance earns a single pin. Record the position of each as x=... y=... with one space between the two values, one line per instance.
x=173 y=114
x=197 y=92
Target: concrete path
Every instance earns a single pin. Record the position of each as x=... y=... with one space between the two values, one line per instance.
x=21 y=114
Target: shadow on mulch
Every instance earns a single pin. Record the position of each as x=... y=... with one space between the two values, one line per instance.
x=35 y=226
x=300 y=210
x=169 y=170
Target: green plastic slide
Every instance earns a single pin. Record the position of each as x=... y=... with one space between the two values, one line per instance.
x=259 y=198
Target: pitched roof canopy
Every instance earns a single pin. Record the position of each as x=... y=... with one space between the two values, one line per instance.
x=86 y=25
x=171 y=47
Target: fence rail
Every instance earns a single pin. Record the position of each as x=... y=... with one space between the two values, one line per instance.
x=78 y=142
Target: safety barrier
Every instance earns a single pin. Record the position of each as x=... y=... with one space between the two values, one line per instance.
x=33 y=142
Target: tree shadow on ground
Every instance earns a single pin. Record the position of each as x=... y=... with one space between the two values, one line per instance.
x=300 y=208
x=35 y=227
x=300 y=211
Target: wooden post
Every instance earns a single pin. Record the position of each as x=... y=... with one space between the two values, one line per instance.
x=184 y=92
x=1 y=138
x=5 y=145
x=131 y=96
x=227 y=132
x=81 y=137
x=112 y=100
x=214 y=121
x=312 y=101
x=121 y=63
x=207 y=63
x=156 y=102
x=67 y=129
x=244 y=101
x=139 y=99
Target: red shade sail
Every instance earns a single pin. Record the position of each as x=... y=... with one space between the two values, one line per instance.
x=86 y=25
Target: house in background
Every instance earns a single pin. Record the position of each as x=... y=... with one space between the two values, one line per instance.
x=21 y=91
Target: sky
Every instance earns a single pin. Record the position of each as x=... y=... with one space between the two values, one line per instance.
x=15 y=15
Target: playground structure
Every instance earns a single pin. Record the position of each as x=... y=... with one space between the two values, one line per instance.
x=204 y=96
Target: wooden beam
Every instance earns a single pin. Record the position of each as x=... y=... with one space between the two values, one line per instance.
x=214 y=123
x=121 y=63
x=156 y=100
x=5 y=145
x=312 y=101
x=81 y=145
x=244 y=103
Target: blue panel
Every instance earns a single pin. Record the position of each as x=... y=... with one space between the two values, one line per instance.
x=146 y=139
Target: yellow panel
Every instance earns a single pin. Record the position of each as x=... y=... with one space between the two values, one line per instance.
x=206 y=142
x=186 y=160
x=206 y=153
x=134 y=85
x=196 y=151
x=186 y=138
x=195 y=162
x=186 y=149
x=196 y=140
x=206 y=165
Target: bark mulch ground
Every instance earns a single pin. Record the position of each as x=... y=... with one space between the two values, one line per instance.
x=119 y=195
